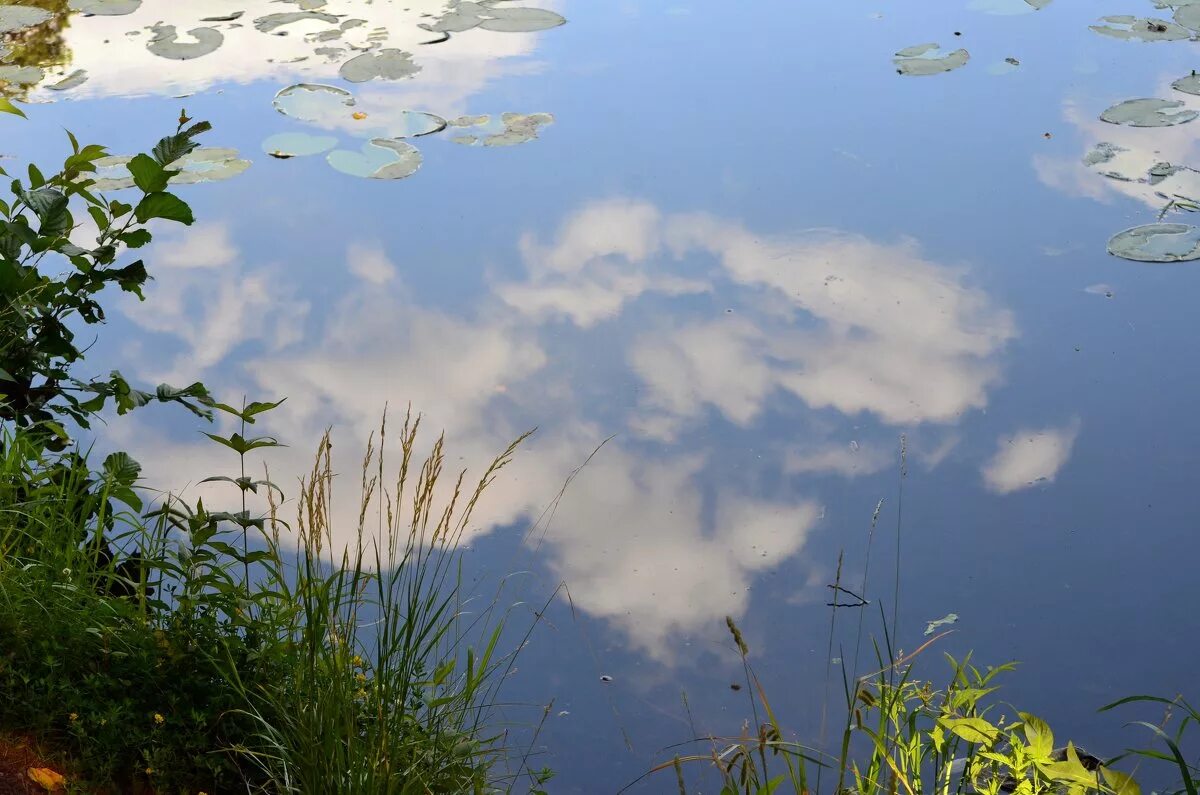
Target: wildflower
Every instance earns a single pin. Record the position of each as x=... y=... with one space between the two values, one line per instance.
x=159 y=719
x=149 y=771
x=356 y=661
x=74 y=716
x=358 y=115
x=360 y=677
x=46 y=778
x=360 y=693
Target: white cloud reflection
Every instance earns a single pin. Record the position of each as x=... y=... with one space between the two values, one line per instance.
x=1029 y=457
x=647 y=537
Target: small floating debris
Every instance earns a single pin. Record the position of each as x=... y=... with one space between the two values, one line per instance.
x=1125 y=26
x=1149 y=112
x=166 y=44
x=1157 y=243
x=1100 y=289
x=606 y=678
x=947 y=620
x=380 y=158
x=917 y=61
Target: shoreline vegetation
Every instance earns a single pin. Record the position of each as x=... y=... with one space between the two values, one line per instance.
x=161 y=646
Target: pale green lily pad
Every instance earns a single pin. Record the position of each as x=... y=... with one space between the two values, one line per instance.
x=1157 y=243
x=206 y=164
x=520 y=20
x=295 y=144
x=1124 y=26
x=1008 y=7
x=1189 y=84
x=166 y=44
x=230 y=17
x=385 y=64
x=313 y=102
x=21 y=75
x=469 y=121
x=105 y=8
x=73 y=80
x=918 y=61
x=415 y=123
x=1150 y=112
x=509 y=130
x=380 y=158
x=1102 y=152
x=931 y=626
x=13 y=18
x=459 y=18
x=1188 y=16
x=272 y=22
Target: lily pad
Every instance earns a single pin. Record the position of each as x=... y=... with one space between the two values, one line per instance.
x=13 y=18
x=21 y=75
x=294 y=144
x=509 y=130
x=166 y=44
x=520 y=20
x=917 y=60
x=272 y=22
x=206 y=164
x=1008 y=7
x=1102 y=152
x=1188 y=16
x=230 y=17
x=931 y=626
x=460 y=18
x=105 y=8
x=415 y=123
x=1124 y=26
x=1149 y=112
x=313 y=102
x=1157 y=243
x=380 y=158
x=385 y=64
x=1188 y=85
x=73 y=80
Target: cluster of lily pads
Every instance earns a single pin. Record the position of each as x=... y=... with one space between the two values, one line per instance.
x=931 y=59
x=386 y=154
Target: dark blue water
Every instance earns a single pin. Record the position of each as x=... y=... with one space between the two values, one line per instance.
x=756 y=257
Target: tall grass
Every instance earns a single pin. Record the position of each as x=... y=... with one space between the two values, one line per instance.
x=392 y=670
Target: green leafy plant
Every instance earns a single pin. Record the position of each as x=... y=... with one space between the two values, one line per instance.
x=50 y=287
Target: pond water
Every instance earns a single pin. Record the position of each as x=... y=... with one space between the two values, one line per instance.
x=788 y=271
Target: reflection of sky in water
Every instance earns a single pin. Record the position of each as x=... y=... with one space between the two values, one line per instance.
x=757 y=303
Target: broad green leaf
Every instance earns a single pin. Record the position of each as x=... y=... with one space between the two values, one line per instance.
x=1120 y=783
x=122 y=467
x=148 y=174
x=164 y=205
x=973 y=730
x=1038 y=735
x=135 y=238
x=6 y=106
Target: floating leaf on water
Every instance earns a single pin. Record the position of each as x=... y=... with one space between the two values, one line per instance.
x=415 y=123
x=13 y=18
x=1038 y=5
x=206 y=164
x=1188 y=16
x=1188 y=85
x=1157 y=243
x=469 y=121
x=520 y=20
x=236 y=15
x=1160 y=171
x=509 y=130
x=462 y=17
x=1008 y=7
x=295 y=144
x=1102 y=152
x=272 y=22
x=76 y=78
x=166 y=44
x=380 y=158
x=1149 y=112
x=21 y=75
x=931 y=626
x=105 y=8
x=385 y=64
x=313 y=102
x=917 y=60
x=1124 y=26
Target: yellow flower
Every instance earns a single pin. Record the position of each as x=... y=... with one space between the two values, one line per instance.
x=46 y=778
x=361 y=677
x=74 y=716
x=360 y=693
x=357 y=661
x=159 y=719
x=149 y=771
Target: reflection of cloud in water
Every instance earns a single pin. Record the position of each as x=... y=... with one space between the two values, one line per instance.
x=1030 y=456
x=840 y=321
x=113 y=50
x=647 y=537
x=1139 y=150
